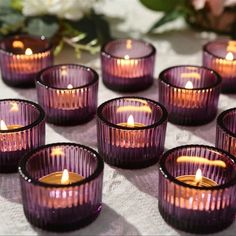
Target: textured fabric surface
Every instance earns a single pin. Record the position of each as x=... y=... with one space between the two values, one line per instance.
x=130 y=197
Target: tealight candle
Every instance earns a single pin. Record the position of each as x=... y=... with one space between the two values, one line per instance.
x=190 y=94
x=196 y=188
x=131 y=131
x=128 y=64
x=220 y=55
x=61 y=186
x=226 y=131
x=61 y=177
x=68 y=93
x=22 y=57
x=22 y=128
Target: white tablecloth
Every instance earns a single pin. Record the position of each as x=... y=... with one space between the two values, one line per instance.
x=130 y=204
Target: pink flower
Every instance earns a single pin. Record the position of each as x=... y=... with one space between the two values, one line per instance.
x=215 y=6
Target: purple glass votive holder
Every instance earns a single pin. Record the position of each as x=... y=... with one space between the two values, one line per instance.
x=206 y=207
x=138 y=144
x=220 y=55
x=226 y=131
x=68 y=93
x=128 y=65
x=61 y=207
x=22 y=57
x=190 y=94
x=22 y=128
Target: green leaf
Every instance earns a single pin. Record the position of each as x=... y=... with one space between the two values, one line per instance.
x=11 y=22
x=47 y=26
x=16 y=4
x=162 y=5
x=168 y=17
x=58 y=48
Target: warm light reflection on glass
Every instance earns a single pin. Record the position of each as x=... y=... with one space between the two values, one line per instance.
x=70 y=86
x=57 y=151
x=201 y=160
x=134 y=108
x=189 y=85
x=129 y=44
x=3 y=125
x=14 y=107
x=126 y=57
x=17 y=44
x=193 y=75
x=65 y=179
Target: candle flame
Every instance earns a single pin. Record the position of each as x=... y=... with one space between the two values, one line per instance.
x=126 y=57
x=130 y=121
x=57 y=152
x=65 y=179
x=189 y=85
x=229 y=56
x=198 y=177
x=231 y=46
x=201 y=160
x=14 y=106
x=129 y=44
x=28 y=52
x=3 y=125
x=70 y=86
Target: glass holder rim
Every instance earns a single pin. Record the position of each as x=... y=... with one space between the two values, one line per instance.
x=24 y=174
x=94 y=73
x=41 y=116
x=105 y=53
x=172 y=179
x=163 y=118
x=216 y=74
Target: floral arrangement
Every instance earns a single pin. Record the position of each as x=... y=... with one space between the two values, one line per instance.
x=216 y=15
x=72 y=22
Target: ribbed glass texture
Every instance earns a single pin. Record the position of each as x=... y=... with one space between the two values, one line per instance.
x=220 y=55
x=22 y=129
x=22 y=57
x=68 y=93
x=128 y=64
x=197 y=209
x=190 y=94
x=226 y=131
x=128 y=147
x=58 y=207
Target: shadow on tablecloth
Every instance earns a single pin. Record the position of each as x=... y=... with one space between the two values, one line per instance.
x=10 y=187
x=109 y=222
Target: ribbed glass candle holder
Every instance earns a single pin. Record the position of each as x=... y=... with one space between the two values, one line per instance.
x=226 y=131
x=22 y=128
x=131 y=131
x=197 y=186
x=128 y=65
x=68 y=93
x=220 y=55
x=190 y=94
x=61 y=207
x=22 y=57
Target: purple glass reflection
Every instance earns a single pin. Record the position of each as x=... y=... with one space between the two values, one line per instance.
x=61 y=207
x=22 y=128
x=128 y=65
x=204 y=207
x=190 y=94
x=138 y=144
x=226 y=131
x=68 y=93
x=220 y=55
x=22 y=57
